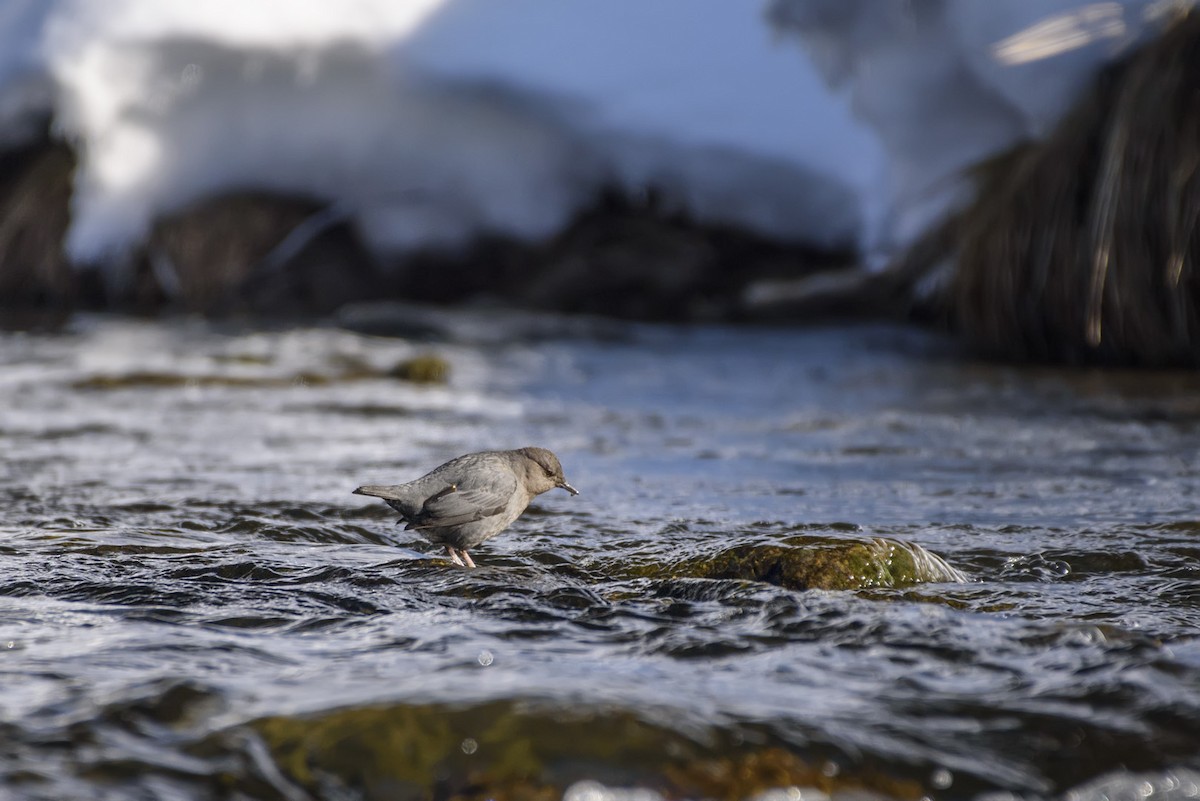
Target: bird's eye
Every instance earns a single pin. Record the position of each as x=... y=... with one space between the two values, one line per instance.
x=549 y=472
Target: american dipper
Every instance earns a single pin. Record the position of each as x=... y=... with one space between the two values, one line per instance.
x=474 y=497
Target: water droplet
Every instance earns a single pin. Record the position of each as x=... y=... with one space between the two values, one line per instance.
x=469 y=746
x=485 y=658
x=10 y=644
x=830 y=769
x=941 y=779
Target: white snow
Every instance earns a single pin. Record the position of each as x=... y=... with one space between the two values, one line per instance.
x=433 y=120
x=947 y=83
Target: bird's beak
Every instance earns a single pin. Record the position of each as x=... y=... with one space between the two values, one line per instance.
x=567 y=487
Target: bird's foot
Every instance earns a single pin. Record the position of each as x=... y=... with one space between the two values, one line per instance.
x=467 y=558
x=454 y=556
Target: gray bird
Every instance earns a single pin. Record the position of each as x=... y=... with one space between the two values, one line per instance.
x=474 y=497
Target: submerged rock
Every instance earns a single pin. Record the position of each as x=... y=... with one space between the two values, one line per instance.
x=811 y=562
x=514 y=750
x=426 y=368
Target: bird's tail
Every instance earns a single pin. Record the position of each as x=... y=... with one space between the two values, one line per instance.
x=379 y=491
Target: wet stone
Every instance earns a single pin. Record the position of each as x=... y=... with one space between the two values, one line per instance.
x=824 y=563
x=426 y=368
x=516 y=750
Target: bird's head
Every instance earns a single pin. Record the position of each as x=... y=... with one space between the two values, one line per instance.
x=543 y=471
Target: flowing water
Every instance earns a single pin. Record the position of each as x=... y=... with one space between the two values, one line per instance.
x=193 y=605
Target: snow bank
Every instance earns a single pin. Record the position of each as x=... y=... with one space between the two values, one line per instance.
x=431 y=120
x=947 y=83
x=26 y=91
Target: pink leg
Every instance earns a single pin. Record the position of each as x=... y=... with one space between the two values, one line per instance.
x=453 y=555
x=467 y=557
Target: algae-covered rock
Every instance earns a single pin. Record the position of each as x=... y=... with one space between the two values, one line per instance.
x=402 y=751
x=228 y=373
x=825 y=563
x=427 y=368
x=513 y=750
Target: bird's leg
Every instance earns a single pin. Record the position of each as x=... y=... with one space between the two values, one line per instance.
x=453 y=555
x=467 y=557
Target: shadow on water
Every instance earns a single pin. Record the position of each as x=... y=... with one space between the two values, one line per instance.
x=830 y=560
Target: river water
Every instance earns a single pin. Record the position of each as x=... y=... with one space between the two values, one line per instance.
x=193 y=605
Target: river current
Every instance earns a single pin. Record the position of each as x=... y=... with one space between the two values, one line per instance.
x=194 y=606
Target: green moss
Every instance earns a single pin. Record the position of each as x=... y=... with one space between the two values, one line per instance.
x=424 y=369
x=510 y=750
x=395 y=751
x=427 y=368
x=151 y=380
x=814 y=562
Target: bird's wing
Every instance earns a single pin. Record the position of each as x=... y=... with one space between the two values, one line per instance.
x=466 y=502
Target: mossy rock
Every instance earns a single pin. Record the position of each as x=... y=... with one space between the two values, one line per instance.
x=513 y=750
x=145 y=379
x=427 y=368
x=823 y=563
x=423 y=369
x=399 y=751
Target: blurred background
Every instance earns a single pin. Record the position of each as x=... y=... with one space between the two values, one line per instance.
x=867 y=330
x=986 y=169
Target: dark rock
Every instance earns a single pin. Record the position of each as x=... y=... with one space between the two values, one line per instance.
x=1085 y=247
x=35 y=196
x=473 y=325
x=617 y=259
x=260 y=253
x=274 y=254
